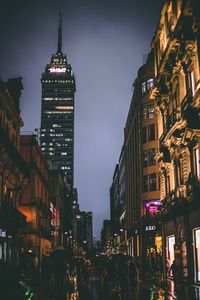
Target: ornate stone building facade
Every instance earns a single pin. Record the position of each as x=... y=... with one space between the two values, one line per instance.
x=14 y=176
x=36 y=235
x=176 y=47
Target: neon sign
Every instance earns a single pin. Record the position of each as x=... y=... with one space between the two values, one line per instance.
x=57 y=70
x=153 y=207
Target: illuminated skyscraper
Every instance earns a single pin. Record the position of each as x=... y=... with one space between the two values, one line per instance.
x=57 y=115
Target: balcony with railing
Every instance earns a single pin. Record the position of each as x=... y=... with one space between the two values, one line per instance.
x=186 y=102
x=184 y=113
x=196 y=98
x=190 y=109
x=169 y=200
x=179 y=35
x=171 y=121
x=174 y=198
x=193 y=188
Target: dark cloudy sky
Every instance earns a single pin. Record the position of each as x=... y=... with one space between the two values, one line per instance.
x=104 y=41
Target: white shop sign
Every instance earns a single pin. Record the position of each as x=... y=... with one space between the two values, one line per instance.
x=150 y=228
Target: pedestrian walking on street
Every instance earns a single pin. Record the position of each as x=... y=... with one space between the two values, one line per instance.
x=146 y=267
x=123 y=279
x=60 y=260
x=84 y=292
x=44 y=264
x=108 y=280
x=133 y=275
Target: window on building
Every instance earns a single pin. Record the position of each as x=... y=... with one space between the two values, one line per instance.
x=149 y=84
x=192 y=84
x=143 y=88
x=150 y=110
x=152 y=182
x=151 y=132
x=145 y=183
x=144 y=112
x=144 y=135
x=159 y=182
x=151 y=157
x=145 y=159
x=190 y=81
x=196 y=162
x=167 y=184
x=178 y=173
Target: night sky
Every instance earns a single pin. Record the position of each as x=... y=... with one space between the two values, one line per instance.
x=104 y=42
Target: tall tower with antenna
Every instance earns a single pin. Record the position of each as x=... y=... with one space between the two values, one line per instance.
x=57 y=112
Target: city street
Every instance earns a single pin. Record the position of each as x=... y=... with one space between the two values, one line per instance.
x=145 y=290
x=100 y=150
x=148 y=291
x=82 y=280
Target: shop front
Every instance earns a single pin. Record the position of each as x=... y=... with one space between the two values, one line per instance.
x=8 y=253
x=152 y=245
x=10 y=222
x=194 y=241
x=196 y=249
x=5 y=247
x=176 y=243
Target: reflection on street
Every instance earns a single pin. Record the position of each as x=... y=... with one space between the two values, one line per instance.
x=67 y=277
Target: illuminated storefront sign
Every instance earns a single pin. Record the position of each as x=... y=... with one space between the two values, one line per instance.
x=150 y=227
x=57 y=70
x=55 y=218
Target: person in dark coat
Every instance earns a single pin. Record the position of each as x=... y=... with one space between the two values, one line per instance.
x=123 y=278
x=133 y=275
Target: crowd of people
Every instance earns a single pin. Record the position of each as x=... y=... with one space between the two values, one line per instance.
x=118 y=277
x=65 y=276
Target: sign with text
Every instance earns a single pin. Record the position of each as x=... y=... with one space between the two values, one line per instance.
x=150 y=227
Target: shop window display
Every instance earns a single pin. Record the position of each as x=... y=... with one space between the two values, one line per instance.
x=196 y=237
x=170 y=252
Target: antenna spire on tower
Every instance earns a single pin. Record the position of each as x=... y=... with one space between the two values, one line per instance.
x=60 y=34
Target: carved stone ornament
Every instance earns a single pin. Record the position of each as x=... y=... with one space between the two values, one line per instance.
x=187 y=136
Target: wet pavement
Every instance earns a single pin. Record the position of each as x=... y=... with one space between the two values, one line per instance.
x=95 y=290
x=145 y=291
